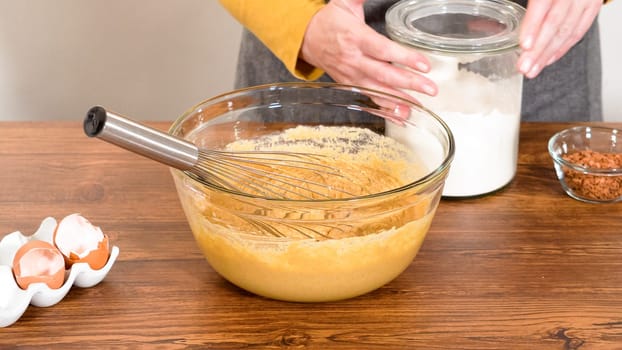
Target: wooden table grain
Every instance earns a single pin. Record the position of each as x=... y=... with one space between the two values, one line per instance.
x=524 y=268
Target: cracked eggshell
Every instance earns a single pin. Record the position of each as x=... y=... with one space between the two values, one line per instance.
x=81 y=242
x=39 y=262
x=14 y=300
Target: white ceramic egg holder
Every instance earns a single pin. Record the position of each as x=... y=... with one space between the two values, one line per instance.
x=14 y=301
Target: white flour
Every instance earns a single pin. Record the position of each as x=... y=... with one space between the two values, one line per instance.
x=486 y=152
x=484 y=117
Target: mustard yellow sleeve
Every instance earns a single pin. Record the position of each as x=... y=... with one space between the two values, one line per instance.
x=281 y=26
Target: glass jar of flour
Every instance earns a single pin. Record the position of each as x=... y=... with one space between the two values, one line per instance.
x=472 y=46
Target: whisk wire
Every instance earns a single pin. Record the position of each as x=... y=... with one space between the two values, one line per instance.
x=257 y=173
x=242 y=182
x=281 y=158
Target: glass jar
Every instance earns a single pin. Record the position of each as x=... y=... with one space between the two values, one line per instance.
x=473 y=50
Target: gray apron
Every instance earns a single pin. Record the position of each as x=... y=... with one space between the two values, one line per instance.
x=569 y=90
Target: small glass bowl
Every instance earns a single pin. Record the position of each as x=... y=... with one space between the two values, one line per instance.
x=588 y=163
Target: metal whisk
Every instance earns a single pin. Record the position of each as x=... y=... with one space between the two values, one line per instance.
x=273 y=174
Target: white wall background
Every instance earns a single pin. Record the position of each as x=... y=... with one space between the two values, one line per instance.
x=151 y=59
x=148 y=59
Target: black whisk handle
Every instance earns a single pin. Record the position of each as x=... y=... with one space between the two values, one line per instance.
x=94 y=121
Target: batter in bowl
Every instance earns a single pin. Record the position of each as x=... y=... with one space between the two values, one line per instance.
x=322 y=250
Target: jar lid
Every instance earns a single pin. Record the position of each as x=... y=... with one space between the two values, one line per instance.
x=456 y=25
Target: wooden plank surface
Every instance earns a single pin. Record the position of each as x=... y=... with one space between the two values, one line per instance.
x=525 y=268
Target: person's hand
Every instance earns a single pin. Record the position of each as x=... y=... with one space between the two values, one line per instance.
x=550 y=28
x=338 y=41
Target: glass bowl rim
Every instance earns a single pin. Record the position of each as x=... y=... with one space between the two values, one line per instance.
x=423 y=180
x=579 y=168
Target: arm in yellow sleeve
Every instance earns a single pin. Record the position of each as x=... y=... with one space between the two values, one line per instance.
x=281 y=26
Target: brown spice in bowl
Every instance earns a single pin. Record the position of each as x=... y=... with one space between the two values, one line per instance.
x=596 y=187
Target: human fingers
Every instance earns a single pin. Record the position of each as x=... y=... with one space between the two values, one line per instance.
x=555 y=31
x=383 y=49
x=531 y=23
x=395 y=108
x=347 y=49
x=550 y=14
x=370 y=72
x=563 y=25
x=394 y=64
x=396 y=75
x=370 y=82
x=586 y=18
x=355 y=7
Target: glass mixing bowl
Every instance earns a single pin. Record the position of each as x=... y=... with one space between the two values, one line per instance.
x=313 y=250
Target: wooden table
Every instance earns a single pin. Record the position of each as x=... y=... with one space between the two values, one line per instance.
x=524 y=268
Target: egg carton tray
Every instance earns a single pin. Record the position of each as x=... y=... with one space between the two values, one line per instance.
x=14 y=300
